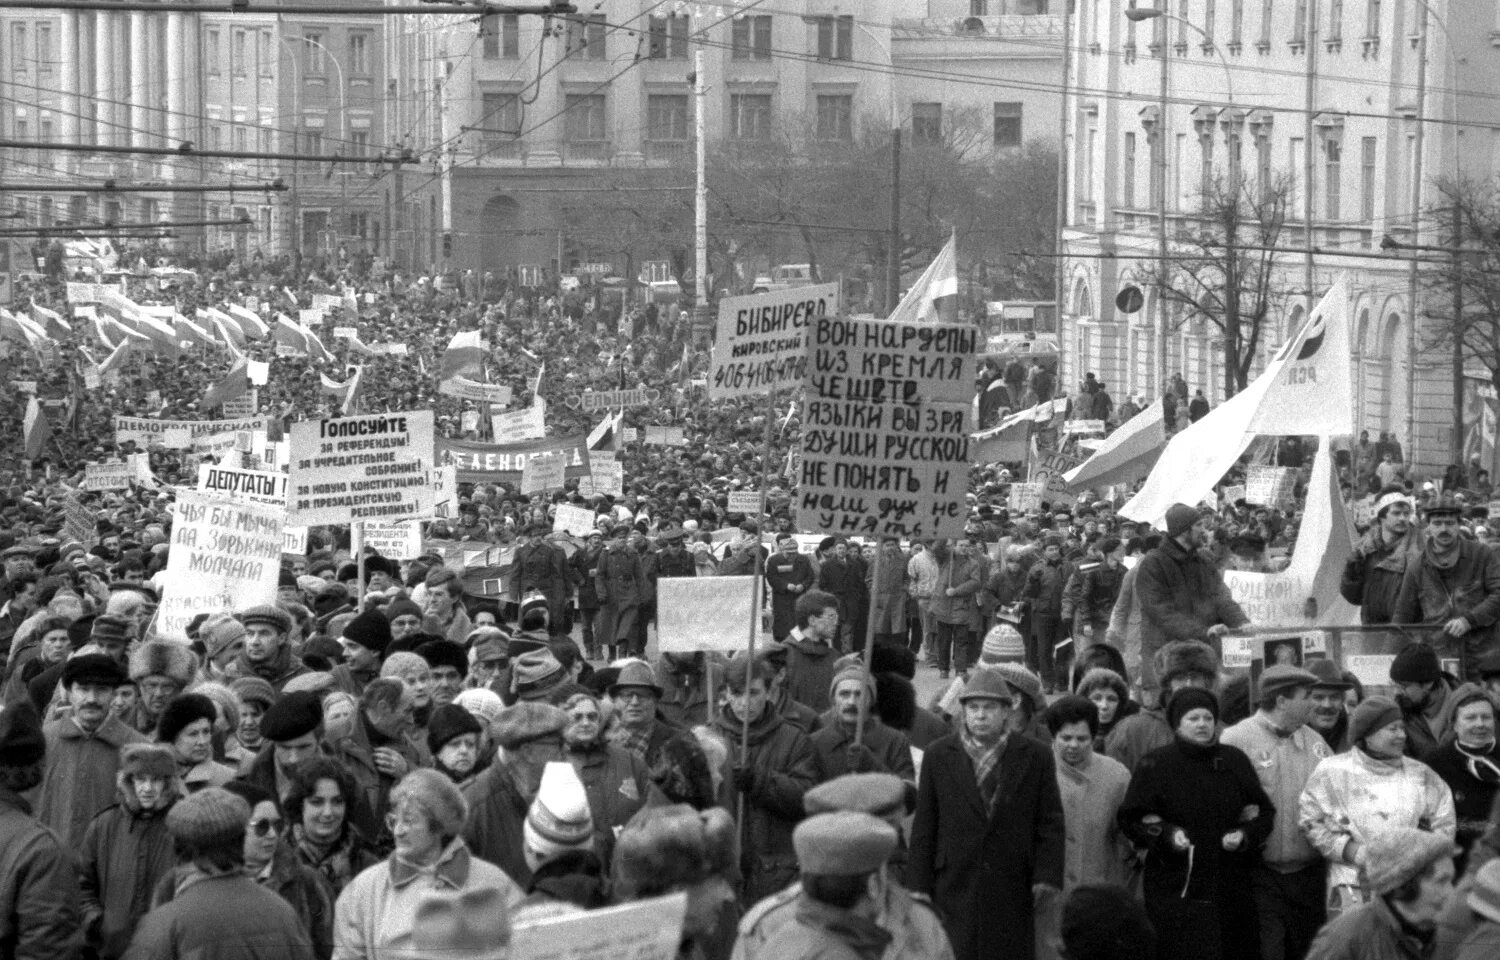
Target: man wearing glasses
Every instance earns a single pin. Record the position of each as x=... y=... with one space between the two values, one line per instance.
x=677 y=763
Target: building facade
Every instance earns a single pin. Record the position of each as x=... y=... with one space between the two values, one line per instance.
x=1319 y=98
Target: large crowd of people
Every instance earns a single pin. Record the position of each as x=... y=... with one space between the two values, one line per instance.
x=1043 y=755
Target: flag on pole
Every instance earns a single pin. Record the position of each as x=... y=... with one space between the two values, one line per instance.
x=939 y=280
x=299 y=339
x=347 y=392
x=22 y=328
x=37 y=430
x=463 y=357
x=252 y=325
x=234 y=385
x=51 y=321
x=117 y=356
x=189 y=331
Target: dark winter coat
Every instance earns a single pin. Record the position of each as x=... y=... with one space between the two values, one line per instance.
x=38 y=888
x=585 y=563
x=1374 y=571
x=891 y=748
x=785 y=767
x=678 y=765
x=782 y=573
x=1181 y=595
x=1472 y=798
x=542 y=566
x=978 y=865
x=228 y=917
x=1098 y=591
x=125 y=852
x=1206 y=791
x=621 y=584
x=1045 y=583
x=497 y=815
x=1469 y=589
x=809 y=671
x=844 y=579
x=617 y=785
x=79 y=779
x=672 y=562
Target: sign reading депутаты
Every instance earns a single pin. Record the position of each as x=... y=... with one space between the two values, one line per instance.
x=357 y=468
x=885 y=428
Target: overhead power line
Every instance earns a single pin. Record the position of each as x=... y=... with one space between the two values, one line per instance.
x=101 y=227
x=321 y=10
x=110 y=186
x=188 y=150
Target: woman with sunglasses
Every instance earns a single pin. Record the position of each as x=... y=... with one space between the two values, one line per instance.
x=1469 y=762
x=319 y=832
x=272 y=864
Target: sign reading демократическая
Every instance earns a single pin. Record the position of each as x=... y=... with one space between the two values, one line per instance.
x=358 y=468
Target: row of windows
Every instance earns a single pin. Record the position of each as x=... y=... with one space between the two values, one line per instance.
x=1331 y=159
x=23 y=58
x=313 y=58
x=927 y=123
x=587 y=37
x=1208 y=20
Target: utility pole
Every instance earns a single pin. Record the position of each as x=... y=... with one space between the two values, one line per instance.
x=1416 y=226
x=1060 y=280
x=1459 y=328
x=700 y=194
x=893 y=249
x=1310 y=30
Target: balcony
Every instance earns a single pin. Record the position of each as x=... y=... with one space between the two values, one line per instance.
x=668 y=152
x=502 y=148
x=586 y=151
x=1007 y=27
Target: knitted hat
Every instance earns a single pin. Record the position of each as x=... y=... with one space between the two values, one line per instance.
x=1003 y=644
x=93 y=668
x=219 y=632
x=254 y=690
x=371 y=630
x=1371 y=715
x=1185 y=657
x=1187 y=700
x=401 y=662
x=1484 y=898
x=1180 y=519
x=1399 y=854
x=314 y=681
x=559 y=817
x=447 y=722
x=1416 y=663
x=161 y=658
x=1023 y=682
x=534 y=673
x=181 y=711
x=444 y=653
x=147 y=760
x=532 y=601
x=878 y=794
x=399 y=607
x=212 y=818
x=293 y=715
x=1104 y=922
x=857 y=673
x=277 y=618
x=524 y=722
x=483 y=703
x=21 y=740
x=108 y=628
x=843 y=844
x=1103 y=678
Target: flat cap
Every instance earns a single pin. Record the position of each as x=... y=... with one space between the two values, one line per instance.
x=525 y=721
x=843 y=844
x=878 y=794
x=269 y=614
x=1285 y=679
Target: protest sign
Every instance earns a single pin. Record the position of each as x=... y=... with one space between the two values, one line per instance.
x=606 y=476
x=242 y=406
x=611 y=399
x=251 y=486
x=468 y=421
x=78 y=523
x=1025 y=496
x=630 y=434
x=1049 y=470
x=466 y=389
x=399 y=541
x=517 y=425
x=145 y=431
x=886 y=416
x=346 y=333
x=1083 y=426
x=643 y=930
x=107 y=476
x=1234 y=494
x=666 y=436
x=1494 y=509
x=575 y=520
x=26 y=386
x=705 y=613
x=361 y=468
x=543 y=473
x=224 y=556
x=177 y=438
x=310 y=318
x=444 y=491
x=327 y=301
x=258 y=372
x=760 y=341
x=294 y=540
x=744 y=501
x=502 y=462
x=1269 y=486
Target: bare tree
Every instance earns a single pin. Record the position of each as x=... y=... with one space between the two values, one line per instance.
x=1223 y=268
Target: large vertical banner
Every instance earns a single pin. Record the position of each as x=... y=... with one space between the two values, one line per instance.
x=886 y=414
x=225 y=556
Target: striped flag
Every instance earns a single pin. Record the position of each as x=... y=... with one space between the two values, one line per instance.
x=37 y=430
x=117 y=356
x=347 y=393
x=252 y=325
x=299 y=339
x=189 y=331
x=463 y=357
x=51 y=321
x=22 y=328
x=939 y=280
x=235 y=384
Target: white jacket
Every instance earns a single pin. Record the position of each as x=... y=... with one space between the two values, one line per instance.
x=1352 y=796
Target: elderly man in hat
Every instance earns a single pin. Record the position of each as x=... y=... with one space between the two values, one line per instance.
x=677 y=763
x=38 y=878
x=529 y=736
x=19 y=560
x=987 y=841
x=917 y=933
x=268 y=649
x=1182 y=593
x=842 y=861
x=1455 y=582
x=1287 y=882
x=1374 y=571
x=160 y=670
x=881 y=748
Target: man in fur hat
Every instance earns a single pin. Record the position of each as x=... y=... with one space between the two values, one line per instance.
x=160 y=670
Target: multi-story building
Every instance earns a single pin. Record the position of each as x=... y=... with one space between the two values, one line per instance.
x=247 y=82
x=533 y=109
x=1319 y=96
